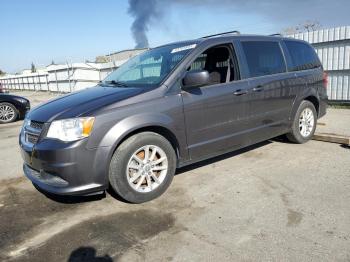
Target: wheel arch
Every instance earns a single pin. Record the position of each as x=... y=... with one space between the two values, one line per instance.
x=311 y=97
x=158 y=129
x=11 y=103
x=157 y=123
x=315 y=101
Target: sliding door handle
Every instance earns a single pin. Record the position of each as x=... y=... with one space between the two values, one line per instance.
x=240 y=92
x=258 y=89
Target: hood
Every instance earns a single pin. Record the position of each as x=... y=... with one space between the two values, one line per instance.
x=82 y=103
x=9 y=97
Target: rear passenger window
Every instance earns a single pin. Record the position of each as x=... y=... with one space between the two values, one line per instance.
x=263 y=58
x=302 y=55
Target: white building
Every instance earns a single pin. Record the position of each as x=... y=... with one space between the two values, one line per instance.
x=120 y=56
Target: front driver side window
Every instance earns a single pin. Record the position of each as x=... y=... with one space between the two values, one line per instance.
x=218 y=62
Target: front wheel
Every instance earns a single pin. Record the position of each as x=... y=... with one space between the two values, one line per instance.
x=142 y=167
x=8 y=113
x=304 y=124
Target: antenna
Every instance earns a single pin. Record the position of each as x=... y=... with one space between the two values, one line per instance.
x=225 y=33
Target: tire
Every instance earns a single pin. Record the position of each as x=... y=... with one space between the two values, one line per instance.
x=125 y=166
x=8 y=113
x=301 y=134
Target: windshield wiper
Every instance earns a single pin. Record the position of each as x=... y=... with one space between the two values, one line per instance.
x=115 y=83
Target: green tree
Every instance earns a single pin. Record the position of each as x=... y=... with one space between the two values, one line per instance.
x=2 y=73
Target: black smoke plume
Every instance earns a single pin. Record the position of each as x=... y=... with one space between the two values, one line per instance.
x=280 y=12
x=143 y=12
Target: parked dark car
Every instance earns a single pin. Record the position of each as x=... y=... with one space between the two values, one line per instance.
x=12 y=108
x=172 y=106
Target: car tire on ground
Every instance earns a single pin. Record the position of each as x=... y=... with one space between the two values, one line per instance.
x=8 y=113
x=142 y=167
x=304 y=123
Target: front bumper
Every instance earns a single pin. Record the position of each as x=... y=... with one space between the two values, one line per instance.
x=65 y=168
x=23 y=109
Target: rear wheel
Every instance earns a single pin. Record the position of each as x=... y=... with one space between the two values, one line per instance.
x=8 y=113
x=142 y=167
x=304 y=124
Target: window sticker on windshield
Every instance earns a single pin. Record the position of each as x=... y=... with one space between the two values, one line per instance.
x=183 y=48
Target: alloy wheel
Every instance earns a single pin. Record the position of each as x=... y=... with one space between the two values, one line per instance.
x=306 y=122
x=147 y=168
x=7 y=113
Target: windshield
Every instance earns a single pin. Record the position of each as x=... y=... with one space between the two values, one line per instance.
x=149 y=68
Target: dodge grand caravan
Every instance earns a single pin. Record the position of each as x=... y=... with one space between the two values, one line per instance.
x=172 y=106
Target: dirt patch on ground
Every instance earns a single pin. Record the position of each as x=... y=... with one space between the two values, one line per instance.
x=35 y=226
x=21 y=210
x=103 y=238
x=12 y=182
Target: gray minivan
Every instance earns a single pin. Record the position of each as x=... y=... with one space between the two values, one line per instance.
x=172 y=106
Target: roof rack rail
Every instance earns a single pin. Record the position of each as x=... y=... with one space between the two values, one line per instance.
x=278 y=34
x=225 y=33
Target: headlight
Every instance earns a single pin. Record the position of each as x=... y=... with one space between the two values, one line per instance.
x=26 y=122
x=71 y=129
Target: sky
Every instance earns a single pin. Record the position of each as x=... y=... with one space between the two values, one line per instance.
x=42 y=31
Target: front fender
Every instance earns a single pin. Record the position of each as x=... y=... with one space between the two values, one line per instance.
x=132 y=123
x=166 y=113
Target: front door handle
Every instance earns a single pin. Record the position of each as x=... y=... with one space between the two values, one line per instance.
x=258 y=89
x=240 y=92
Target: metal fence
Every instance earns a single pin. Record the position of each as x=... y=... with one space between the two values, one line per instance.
x=60 y=78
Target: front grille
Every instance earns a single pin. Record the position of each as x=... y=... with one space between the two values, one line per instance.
x=31 y=138
x=32 y=131
x=36 y=125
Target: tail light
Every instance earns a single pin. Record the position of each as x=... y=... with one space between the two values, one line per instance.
x=325 y=79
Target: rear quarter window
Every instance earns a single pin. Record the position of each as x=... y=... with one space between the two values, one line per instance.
x=302 y=56
x=263 y=58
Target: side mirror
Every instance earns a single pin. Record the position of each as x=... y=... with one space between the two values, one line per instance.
x=196 y=78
